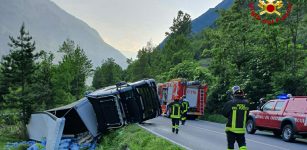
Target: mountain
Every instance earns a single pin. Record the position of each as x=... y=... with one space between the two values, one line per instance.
x=50 y=26
x=208 y=18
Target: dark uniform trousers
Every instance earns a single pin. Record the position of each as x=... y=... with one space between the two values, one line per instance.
x=233 y=137
x=184 y=117
x=175 y=123
x=175 y=115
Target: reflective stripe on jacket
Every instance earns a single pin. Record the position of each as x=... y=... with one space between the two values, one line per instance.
x=236 y=111
x=185 y=105
x=176 y=110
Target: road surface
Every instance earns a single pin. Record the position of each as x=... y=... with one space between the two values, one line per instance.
x=203 y=135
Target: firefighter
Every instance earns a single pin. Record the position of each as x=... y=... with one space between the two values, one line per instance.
x=175 y=114
x=236 y=110
x=262 y=101
x=185 y=107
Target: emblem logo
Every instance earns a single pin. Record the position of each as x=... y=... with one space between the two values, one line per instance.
x=267 y=8
x=270 y=7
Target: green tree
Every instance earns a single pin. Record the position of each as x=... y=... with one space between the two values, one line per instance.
x=190 y=70
x=153 y=61
x=5 y=77
x=18 y=68
x=142 y=67
x=43 y=87
x=71 y=73
x=2 y=87
x=109 y=73
x=181 y=24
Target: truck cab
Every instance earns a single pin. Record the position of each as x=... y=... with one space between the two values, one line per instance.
x=286 y=117
x=125 y=103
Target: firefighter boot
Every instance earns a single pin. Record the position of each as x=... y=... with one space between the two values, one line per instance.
x=176 y=131
x=173 y=129
x=182 y=122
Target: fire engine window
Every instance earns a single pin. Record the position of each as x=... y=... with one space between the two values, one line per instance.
x=268 y=106
x=279 y=106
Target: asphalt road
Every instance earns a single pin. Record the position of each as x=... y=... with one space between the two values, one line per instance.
x=203 y=135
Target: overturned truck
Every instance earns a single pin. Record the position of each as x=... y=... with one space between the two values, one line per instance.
x=106 y=108
x=124 y=103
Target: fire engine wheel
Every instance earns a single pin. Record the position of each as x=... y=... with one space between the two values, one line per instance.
x=250 y=126
x=288 y=133
x=192 y=117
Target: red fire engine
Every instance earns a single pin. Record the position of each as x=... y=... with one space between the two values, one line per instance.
x=195 y=92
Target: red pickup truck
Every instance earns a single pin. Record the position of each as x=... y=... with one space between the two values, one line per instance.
x=286 y=117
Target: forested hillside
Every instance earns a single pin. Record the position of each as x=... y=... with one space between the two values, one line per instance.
x=265 y=60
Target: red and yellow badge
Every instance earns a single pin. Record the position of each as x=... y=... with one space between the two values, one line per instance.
x=267 y=8
x=270 y=7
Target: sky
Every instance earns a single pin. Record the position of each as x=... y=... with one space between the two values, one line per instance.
x=128 y=25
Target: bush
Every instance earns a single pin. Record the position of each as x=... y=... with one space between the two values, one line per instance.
x=10 y=133
x=214 y=118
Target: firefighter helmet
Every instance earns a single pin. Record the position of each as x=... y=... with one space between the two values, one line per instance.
x=235 y=89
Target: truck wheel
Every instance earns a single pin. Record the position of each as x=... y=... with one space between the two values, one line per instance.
x=277 y=133
x=250 y=126
x=288 y=133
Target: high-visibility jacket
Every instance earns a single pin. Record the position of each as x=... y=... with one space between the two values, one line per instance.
x=185 y=106
x=175 y=110
x=236 y=111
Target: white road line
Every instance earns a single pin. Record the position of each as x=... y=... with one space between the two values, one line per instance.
x=247 y=139
x=185 y=147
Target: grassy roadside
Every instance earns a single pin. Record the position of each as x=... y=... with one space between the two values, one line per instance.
x=133 y=137
x=130 y=137
x=214 y=118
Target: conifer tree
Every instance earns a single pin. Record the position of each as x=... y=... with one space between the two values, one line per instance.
x=17 y=69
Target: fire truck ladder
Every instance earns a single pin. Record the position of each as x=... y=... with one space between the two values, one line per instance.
x=202 y=101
